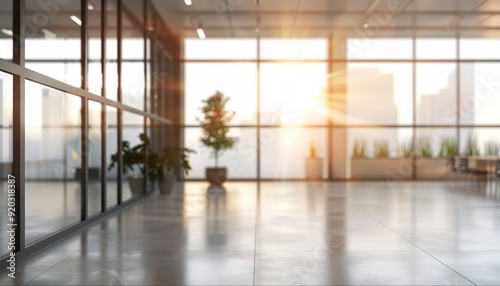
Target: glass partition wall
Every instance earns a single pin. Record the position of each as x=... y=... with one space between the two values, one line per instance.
x=399 y=99
x=81 y=80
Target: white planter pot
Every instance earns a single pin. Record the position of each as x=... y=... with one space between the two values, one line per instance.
x=314 y=168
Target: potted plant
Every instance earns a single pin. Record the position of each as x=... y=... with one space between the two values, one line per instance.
x=314 y=164
x=406 y=149
x=471 y=149
x=428 y=165
x=215 y=135
x=424 y=148
x=169 y=160
x=448 y=149
x=134 y=164
x=378 y=167
x=491 y=149
x=381 y=149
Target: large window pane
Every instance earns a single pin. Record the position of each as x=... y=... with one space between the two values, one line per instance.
x=479 y=93
x=6 y=151
x=284 y=150
x=218 y=49
x=309 y=49
x=6 y=32
x=376 y=49
x=53 y=39
x=293 y=94
x=133 y=126
x=436 y=93
x=111 y=148
x=436 y=48
x=94 y=158
x=239 y=161
x=479 y=49
x=379 y=93
x=111 y=51
x=133 y=65
x=236 y=80
x=53 y=160
x=94 y=30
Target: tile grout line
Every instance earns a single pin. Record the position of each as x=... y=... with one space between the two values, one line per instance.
x=419 y=248
x=66 y=257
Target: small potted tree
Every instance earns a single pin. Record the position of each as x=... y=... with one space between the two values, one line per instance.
x=214 y=125
x=314 y=164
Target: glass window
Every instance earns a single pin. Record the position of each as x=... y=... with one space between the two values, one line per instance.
x=284 y=150
x=53 y=160
x=479 y=49
x=436 y=93
x=133 y=65
x=293 y=94
x=94 y=46
x=94 y=158
x=6 y=33
x=6 y=149
x=435 y=48
x=377 y=49
x=133 y=126
x=111 y=50
x=241 y=161
x=309 y=49
x=53 y=40
x=204 y=79
x=379 y=93
x=479 y=93
x=111 y=148
x=220 y=49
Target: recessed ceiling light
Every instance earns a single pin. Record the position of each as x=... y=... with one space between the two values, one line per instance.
x=76 y=20
x=90 y=6
x=7 y=32
x=365 y=25
x=188 y=2
x=201 y=33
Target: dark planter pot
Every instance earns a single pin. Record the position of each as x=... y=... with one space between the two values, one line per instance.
x=167 y=185
x=216 y=176
x=136 y=185
x=451 y=162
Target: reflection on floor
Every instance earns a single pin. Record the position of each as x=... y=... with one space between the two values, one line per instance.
x=54 y=205
x=286 y=234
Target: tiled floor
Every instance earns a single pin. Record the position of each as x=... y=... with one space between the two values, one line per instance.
x=286 y=234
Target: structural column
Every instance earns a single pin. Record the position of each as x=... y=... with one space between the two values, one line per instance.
x=337 y=83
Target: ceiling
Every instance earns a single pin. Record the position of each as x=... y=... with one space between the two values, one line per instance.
x=319 y=18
